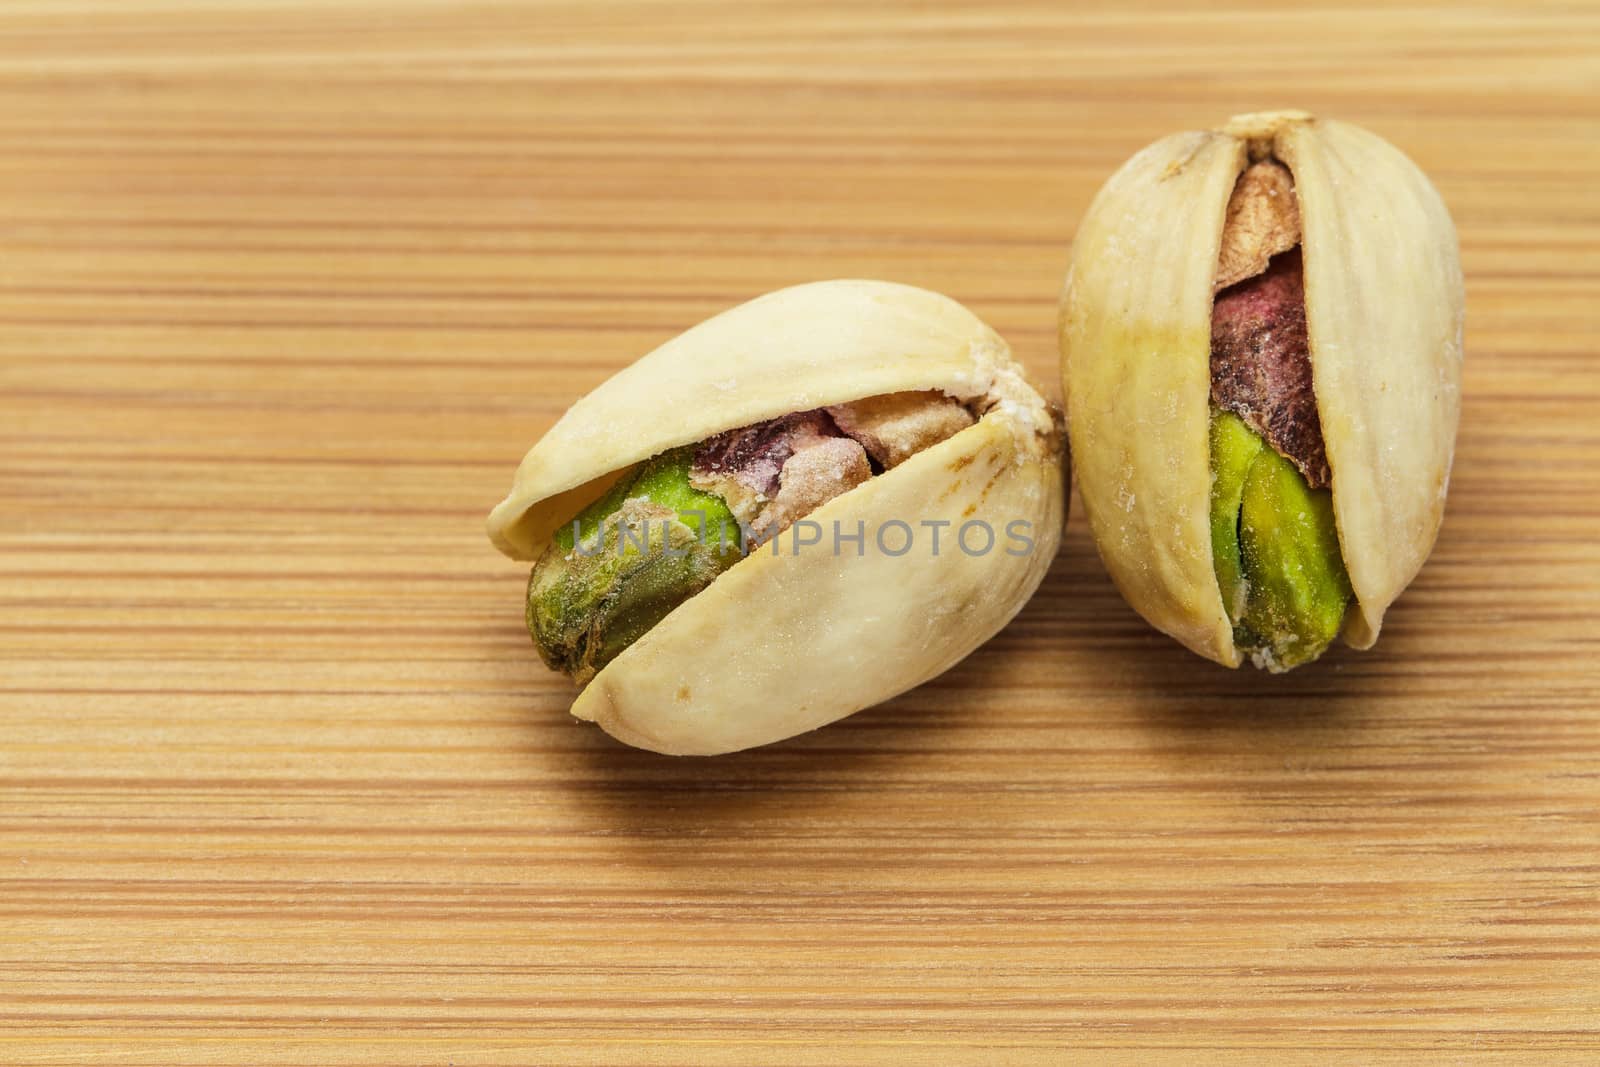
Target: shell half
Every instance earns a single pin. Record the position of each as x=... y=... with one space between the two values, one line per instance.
x=1385 y=310
x=1136 y=341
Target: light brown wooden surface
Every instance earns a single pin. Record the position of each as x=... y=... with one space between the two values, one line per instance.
x=287 y=288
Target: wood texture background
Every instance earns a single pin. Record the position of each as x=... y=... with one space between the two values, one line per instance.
x=287 y=288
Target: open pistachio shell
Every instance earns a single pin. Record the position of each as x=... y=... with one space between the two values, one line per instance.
x=1384 y=308
x=790 y=639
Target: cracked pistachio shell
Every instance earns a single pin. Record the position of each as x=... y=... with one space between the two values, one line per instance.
x=1384 y=308
x=782 y=643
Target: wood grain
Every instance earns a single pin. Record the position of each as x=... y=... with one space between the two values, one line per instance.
x=287 y=288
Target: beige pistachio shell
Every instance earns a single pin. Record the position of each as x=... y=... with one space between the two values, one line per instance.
x=1136 y=341
x=1384 y=307
x=792 y=350
x=1385 y=310
x=786 y=641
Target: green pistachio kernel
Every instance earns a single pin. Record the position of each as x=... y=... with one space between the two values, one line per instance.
x=1275 y=549
x=1234 y=447
x=650 y=543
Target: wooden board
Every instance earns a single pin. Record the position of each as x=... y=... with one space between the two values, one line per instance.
x=287 y=288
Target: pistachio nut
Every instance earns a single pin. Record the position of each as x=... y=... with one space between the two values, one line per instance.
x=1261 y=351
x=584 y=607
x=799 y=508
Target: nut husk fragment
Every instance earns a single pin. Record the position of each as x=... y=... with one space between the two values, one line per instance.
x=1260 y=365
x=774 y=472
x=1262 y=221
x=896 y=427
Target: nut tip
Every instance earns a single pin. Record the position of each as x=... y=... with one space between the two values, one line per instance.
x=1264 y=125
